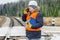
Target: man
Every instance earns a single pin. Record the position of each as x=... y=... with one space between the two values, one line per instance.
x=34 y=21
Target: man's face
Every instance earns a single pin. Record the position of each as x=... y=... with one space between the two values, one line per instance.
x=31 y=9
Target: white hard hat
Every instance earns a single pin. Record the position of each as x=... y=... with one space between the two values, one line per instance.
x=33 y=3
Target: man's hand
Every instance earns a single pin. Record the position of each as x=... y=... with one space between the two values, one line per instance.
x=29 y=25
x=26 y=11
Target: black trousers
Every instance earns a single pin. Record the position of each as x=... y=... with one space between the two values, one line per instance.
x=33 y=35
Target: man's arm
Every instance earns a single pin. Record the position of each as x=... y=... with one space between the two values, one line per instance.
x=39 y=20
x=24 y=17
x=25 y=14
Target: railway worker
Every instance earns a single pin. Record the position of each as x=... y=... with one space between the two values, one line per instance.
x=34 y=21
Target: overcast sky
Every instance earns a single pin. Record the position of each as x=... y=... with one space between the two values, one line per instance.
x=7 y=1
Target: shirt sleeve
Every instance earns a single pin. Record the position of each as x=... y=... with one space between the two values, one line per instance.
x=24 y=17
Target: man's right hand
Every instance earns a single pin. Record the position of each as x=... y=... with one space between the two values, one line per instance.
x=26 y=11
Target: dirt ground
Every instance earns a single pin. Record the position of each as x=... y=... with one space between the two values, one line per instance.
x=2 y=20
x=48 y=21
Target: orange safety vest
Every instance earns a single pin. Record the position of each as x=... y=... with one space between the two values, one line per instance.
x=33 y=15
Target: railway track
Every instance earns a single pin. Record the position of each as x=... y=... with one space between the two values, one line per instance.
x=13 y=22
x=19 y=22
x=10 y=25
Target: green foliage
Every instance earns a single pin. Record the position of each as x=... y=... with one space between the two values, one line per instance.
x=51 y=9
x=48 y=8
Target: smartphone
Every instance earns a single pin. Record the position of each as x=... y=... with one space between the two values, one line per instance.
x=27 y=9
